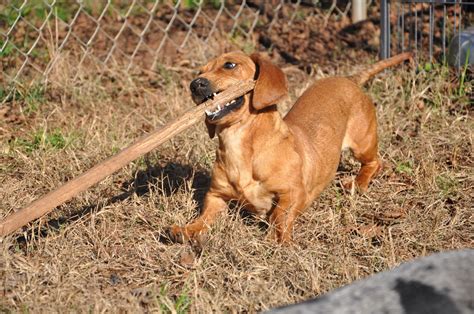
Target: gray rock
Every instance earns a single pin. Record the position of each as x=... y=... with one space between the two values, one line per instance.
x=440 y=283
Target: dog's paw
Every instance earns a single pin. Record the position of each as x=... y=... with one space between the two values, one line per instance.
x=349 y=185
x=176 y=234
x=284 y=239
x=352 y=186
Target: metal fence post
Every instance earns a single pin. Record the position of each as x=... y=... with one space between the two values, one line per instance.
x=384 y=29
x=359 y=10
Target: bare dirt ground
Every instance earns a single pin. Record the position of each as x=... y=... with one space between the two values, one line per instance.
x=103 y=250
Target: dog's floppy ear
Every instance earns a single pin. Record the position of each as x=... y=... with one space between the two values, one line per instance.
x=271 y=86
x=211 y=129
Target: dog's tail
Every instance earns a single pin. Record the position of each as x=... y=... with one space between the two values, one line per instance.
x=364 y=76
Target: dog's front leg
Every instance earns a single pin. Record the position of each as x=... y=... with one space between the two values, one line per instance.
x=213 y=206
x=284 y=214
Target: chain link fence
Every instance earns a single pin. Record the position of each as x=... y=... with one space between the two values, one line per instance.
x=35 y=33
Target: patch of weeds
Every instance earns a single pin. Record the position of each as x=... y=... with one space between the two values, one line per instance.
x=427 y=66
x=9 y=15
x=446 y=184
x=440 y=79
x=216 y=4
x=436 y=100
x=248 y=47
x=62 y=9
x=194 y=4
x=25 y=309
x=404 y=167
x=190 y=4
x=339 y=200
x=64 y=13
x=56 y=140
x=207 y=160
x=42 y=140
x=462 y=87
x=300 y=15
x=3 y=93
x=180 y=305
x=140 y=162
x=10 y=93
x=260 y=23
x=124 y=8
x=36 y=11
x=160 y=207
x=34 y=98
x=6 y=48
x=115 y=150
x=165 y=74
x=238 y=39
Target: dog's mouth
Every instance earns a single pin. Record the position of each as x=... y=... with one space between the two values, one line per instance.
x=221 y=111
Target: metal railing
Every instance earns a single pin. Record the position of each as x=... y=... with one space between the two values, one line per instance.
x=426 y=27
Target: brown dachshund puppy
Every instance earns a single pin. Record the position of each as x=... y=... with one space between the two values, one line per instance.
x=277 y=166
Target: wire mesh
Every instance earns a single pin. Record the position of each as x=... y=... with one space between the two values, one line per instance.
x=35 y=33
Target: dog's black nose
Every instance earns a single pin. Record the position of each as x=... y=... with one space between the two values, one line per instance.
x=201 y=86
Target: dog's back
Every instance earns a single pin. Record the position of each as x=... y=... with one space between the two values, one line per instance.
x=333 y=114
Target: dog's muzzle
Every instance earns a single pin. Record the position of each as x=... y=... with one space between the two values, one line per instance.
x=201 y=90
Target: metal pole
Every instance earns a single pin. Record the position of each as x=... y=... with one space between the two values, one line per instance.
x=444 y=34
x=459 y=36
x=431 y=8
x=359 y=10
x=384 y=29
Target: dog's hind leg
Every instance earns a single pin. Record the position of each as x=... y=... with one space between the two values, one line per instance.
x=362 y=140
x=370 y=166
x=365 y=150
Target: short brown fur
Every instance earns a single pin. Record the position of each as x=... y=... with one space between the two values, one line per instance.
x=277 y=166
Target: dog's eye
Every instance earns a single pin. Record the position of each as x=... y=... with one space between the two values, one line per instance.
x=229 y=65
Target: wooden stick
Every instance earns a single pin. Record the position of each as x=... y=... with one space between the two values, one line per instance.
x=96 y=174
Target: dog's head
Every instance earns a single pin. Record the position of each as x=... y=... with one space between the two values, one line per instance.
x=231 y=68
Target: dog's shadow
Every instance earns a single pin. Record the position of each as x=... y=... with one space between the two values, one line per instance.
x=169 y=178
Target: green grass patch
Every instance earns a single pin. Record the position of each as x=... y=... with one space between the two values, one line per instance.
x=37 y=10
x=179 y=305
x=8 y=94
x=6 y=48
x=239 y=39
x=194 y=4
x=404 y=167
x=165 y=74
x=31 y=98
x=3 y=93
x=34 y=98
x=182 y=303
x=43 y=140
x=462 y=87
x=446 y=184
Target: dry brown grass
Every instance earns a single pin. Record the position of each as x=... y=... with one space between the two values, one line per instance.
x=102 y=250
